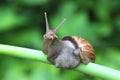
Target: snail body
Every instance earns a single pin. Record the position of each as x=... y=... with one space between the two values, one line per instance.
x=68 y=52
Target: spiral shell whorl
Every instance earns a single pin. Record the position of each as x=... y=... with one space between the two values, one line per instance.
x=86 y=47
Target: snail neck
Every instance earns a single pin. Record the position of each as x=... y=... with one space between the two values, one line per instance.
x=46 y=44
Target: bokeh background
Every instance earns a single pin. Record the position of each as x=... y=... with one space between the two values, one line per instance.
x=22 y=24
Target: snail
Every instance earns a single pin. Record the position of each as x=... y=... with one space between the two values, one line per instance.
x=68 y=52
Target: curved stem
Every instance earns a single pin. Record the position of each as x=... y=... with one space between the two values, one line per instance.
x=91 y=68
x=23 y=53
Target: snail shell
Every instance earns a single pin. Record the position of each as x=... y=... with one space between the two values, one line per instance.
x=87 y=53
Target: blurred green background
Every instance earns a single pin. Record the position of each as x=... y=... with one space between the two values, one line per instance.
x=22 y=24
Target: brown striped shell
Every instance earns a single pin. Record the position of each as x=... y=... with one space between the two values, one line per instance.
x=86 y=48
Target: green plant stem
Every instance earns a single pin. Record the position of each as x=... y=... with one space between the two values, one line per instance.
x=91 y=68
x=23 y=52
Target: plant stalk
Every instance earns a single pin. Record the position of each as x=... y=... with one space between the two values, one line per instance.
x=91 y=68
